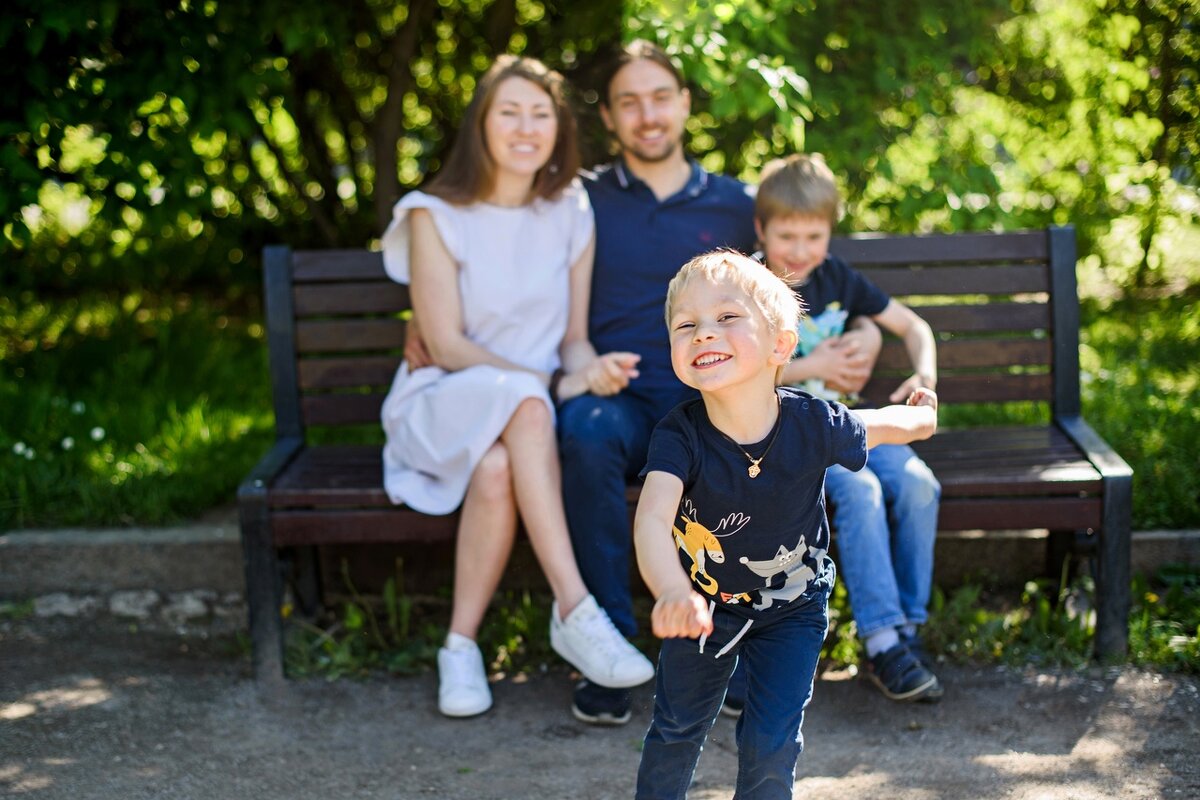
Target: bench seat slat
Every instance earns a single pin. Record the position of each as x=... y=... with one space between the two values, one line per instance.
x=982 y=388
x=880 y=249
x=344 y=336
x=340 y=373
x=987 y=279
x=969 y=353
x=352 y=297
x=316 y=266
x=342 y=409
x=994 y=317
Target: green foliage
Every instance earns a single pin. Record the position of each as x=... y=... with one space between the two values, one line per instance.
x=122 y=410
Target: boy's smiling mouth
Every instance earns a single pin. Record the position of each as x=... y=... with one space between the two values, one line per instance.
x=709 y=359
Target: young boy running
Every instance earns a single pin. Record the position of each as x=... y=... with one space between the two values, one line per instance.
x=730 y=531
x=885 y=514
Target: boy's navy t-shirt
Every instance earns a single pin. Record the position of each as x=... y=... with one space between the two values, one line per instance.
x=836 y=281
x=752 y=543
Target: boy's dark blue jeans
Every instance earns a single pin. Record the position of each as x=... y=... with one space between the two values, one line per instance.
x=780 y=652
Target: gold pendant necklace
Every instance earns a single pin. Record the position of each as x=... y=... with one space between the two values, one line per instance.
x=754 y=469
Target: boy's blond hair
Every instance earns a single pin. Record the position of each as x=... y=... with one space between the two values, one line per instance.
x=798 y=185
x=778 y=303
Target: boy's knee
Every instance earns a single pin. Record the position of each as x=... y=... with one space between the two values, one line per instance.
x=920 y=485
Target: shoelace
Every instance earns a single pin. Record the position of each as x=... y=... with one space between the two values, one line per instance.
x=601 y=631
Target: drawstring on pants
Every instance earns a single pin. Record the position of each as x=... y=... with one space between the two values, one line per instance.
x=704 y=636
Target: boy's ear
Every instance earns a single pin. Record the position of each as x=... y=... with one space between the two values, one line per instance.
x=758 y=231
x=785 y=345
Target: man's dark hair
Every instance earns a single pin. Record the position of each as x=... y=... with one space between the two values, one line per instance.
x=638 y=50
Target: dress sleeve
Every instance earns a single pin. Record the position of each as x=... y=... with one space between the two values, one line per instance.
x=396 y=238
x=582 y=221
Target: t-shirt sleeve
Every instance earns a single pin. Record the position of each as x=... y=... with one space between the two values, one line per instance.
x=396 y=238
x=847 y=438
x=672 y=449
x=581 y=222
x=860 y=297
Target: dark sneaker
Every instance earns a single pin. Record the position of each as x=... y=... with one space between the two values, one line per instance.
x=901 y=676
x=732 y=706
x=600 y=705
x=917 y=648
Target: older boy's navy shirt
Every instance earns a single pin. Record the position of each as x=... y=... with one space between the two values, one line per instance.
x=836 y=281
x=642 y=243
x=755 y=543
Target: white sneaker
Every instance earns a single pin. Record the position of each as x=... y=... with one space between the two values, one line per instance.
x=593 y=645
x=462 y=682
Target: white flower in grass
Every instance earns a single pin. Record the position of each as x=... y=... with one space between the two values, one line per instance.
x=67 y=443
x=78 y=407
x=30 y=454
x=19 y=449
x=97 y=433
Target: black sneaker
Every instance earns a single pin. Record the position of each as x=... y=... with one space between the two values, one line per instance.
x=901 y=676
x=600 y=705
x=732 y=706
x=917 y=648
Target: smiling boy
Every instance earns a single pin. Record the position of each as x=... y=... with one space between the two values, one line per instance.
x=730 y=533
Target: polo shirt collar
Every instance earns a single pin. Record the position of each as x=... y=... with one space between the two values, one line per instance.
x=697 y=182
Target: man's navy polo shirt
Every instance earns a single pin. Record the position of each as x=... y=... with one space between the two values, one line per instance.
x=641 y=243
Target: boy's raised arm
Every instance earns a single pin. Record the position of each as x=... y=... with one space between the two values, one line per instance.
x=678 y=609
x=901 y=424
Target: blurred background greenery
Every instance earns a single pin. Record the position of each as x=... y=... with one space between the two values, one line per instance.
x=149 y=150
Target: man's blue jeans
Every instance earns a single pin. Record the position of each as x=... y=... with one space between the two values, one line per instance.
x=779 y=654
x=886 y=520
x=602 y=444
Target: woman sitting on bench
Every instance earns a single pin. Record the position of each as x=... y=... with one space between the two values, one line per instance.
x=497 y=250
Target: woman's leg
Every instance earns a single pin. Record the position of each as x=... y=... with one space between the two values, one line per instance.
x=486 y=530
x=533 y=458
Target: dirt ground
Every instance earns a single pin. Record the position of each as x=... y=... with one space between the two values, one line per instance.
x=96 y=709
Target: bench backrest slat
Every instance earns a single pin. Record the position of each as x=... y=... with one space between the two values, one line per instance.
x=1003 y=307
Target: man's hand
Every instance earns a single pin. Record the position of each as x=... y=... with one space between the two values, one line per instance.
x=414 y=348
x=682 y=613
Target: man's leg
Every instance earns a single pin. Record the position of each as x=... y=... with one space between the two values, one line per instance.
x=601 y=441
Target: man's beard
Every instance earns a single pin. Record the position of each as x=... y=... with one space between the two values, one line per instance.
x=654 y=157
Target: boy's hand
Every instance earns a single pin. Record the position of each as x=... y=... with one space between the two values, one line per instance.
x=841 y=363
x=681 y=613
x=913 y=384
x=923 y=397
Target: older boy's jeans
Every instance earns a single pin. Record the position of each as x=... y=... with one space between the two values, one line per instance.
x=779 y=653
x=886 y=519
x=602 y=443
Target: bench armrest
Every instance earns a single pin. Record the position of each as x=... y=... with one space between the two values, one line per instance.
x=1106 y=460
x=270 y=466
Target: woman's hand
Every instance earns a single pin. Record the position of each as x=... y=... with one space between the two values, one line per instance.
x=415 y=352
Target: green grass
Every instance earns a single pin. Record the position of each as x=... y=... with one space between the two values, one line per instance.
x=1047 y=623
x=124 y=410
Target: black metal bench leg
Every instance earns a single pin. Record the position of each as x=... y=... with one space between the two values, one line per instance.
x=307 y=581
x=263 y=588
x=1113 y=570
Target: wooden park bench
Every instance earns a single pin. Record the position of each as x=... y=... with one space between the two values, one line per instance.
x=1005 y=310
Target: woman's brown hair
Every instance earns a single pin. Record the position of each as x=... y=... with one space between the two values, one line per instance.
x=469 y=172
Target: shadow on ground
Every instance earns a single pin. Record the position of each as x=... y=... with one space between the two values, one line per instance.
x=97 y=709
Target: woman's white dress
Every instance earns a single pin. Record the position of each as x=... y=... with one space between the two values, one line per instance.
x=513 y=278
